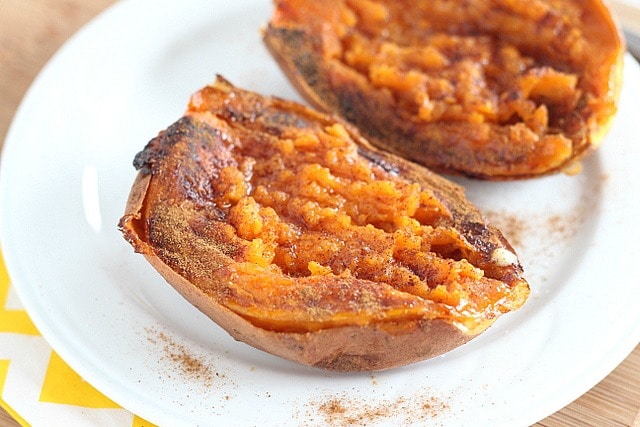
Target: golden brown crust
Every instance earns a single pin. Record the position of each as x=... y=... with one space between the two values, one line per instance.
x=317 y=285
x=538 y=95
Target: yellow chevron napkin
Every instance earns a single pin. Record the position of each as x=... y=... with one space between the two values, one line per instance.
x=37 y=387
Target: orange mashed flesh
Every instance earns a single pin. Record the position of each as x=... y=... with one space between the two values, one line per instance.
x=496 y=89
x=310 y=213
x=439 y=68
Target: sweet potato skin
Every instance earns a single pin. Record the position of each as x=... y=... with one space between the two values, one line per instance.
x=159 y=223
x=373 y=347
x=307 y=43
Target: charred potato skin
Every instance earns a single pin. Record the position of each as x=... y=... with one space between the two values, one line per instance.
x=375 y=346
x=298 y=47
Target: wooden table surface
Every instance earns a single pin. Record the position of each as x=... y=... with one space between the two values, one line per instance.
x=31 y=31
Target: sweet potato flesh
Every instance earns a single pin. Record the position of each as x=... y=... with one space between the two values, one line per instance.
x=538 y=74
x=309 y=205
x=317 y=235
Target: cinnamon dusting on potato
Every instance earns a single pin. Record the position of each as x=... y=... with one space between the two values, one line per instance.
x=282 y=220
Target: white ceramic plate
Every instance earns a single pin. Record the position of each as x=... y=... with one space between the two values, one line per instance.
x=65 y=176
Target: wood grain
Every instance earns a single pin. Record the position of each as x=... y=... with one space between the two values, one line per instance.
x=31 y=31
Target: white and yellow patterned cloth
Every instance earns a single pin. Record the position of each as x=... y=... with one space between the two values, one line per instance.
x=37 y=387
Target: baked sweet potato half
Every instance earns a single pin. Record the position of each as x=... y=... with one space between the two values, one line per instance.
x=494 y=89
x=290 y=231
